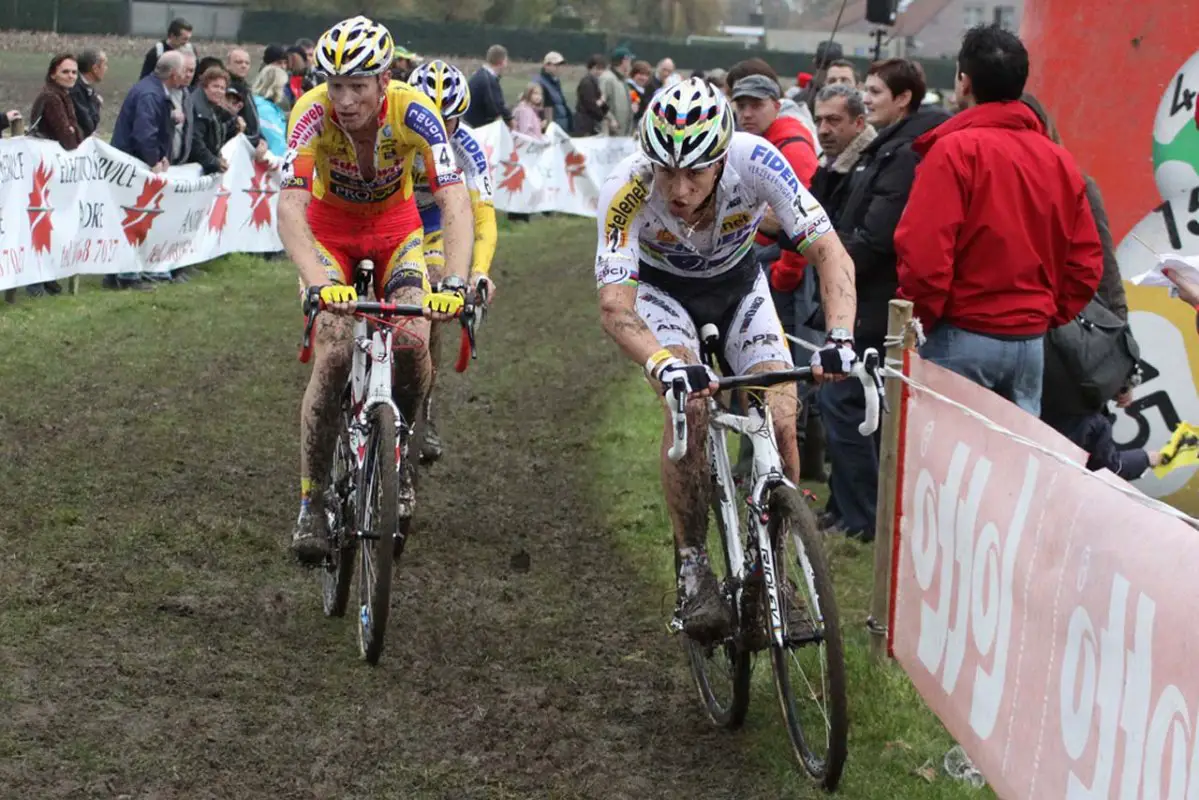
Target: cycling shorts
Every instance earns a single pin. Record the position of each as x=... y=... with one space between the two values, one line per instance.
x=435 y=254
x=750 y=330
x=391 y=240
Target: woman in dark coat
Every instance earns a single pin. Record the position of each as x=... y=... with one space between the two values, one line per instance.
x=53 y=118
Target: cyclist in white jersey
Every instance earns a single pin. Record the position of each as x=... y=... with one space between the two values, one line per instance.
x=676 y=224
x=446 y=86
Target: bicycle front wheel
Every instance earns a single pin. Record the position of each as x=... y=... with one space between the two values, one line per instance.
x=809 y=669
x=722 y=670
x=378 y=521
x=338 y=573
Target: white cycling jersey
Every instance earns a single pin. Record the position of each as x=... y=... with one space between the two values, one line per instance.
x=636 y=226
x=471 y=162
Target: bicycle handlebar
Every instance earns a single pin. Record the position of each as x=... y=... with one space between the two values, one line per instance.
x=866 y=371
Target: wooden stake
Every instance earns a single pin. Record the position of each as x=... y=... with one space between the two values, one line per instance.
x=898 y=328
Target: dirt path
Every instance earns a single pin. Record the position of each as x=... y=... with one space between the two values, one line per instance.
x=156 y=642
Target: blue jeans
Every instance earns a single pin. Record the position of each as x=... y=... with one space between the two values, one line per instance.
x=1013 y=369
x=853 y=484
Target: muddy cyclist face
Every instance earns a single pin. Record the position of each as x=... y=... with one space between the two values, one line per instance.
x=685 y=190
x=356 y=100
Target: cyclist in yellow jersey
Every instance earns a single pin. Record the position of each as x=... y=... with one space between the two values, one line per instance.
x=445 y=85
x=347 y=196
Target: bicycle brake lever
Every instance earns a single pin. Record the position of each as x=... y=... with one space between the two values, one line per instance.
x=874 y=370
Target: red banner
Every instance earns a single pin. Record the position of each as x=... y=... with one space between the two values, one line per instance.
x=1042 y=613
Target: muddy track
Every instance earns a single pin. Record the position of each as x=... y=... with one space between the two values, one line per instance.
x=157 y=643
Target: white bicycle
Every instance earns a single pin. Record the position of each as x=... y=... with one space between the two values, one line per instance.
x=776 y=579
x=374 y=439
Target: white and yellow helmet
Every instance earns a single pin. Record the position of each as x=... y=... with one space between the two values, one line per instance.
x=688 y=125
x=445 y=85
x=355 y=47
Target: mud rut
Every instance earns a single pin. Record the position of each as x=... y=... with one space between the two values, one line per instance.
x=188 y=659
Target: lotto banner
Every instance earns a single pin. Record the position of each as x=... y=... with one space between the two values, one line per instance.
x=1041 y=613
x=557 y=173
x=1142 y=146
x=96 y=210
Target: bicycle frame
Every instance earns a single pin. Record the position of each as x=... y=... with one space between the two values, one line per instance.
x=370 y=386
x=766 y=472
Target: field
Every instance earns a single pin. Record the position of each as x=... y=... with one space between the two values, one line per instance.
x=25 y=56
x=156 y=641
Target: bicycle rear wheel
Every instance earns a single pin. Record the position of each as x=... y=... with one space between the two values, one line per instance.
x=721 y=670
x=338 y=573
x=809 y=670
x=378 y=521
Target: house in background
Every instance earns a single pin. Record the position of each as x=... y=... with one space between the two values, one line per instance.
x=928 y=28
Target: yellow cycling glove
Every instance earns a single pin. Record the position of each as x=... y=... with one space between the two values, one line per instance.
x=443 y=302
x=338 y=294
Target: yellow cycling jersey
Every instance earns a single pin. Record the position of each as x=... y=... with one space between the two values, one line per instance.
x=321 y=157
x=470 y=157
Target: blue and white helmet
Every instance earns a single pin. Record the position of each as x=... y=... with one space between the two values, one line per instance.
x=445 y=85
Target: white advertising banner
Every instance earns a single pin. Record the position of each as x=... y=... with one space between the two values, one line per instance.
x=557 y=173
x=96 y=210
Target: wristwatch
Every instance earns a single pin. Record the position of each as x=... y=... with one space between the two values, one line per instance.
x=452 y=283
x=840 y=336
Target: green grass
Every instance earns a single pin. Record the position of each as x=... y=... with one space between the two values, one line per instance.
x=892 y=734
x=157 y=640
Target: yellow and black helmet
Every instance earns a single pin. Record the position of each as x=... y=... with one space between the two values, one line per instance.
x=355 y=47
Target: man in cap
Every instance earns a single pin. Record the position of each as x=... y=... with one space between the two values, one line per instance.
x=757 y=98
x=551 y=87
x=615 y=90
x=405 y=62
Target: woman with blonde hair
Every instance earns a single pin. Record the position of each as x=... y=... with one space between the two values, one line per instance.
x=270 y=100
x=529 y=115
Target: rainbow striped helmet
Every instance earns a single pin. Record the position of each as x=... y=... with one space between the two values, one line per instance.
x=688 y=125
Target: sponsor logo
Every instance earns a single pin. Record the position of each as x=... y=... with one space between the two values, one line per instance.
x=610 y=271
x=470 y=146
x=295 y=182
x=666 y=237
x=749 y=315
x=363 y=194
x=140 y=216
x=654 y=300
x=260 y=196
x=576 y=165
x=760 y=339
x=671 y=326
x=772 y=160
x=306 y=127
x=734 y=223
x=425 y=123
x=736 y=202
x=219 y=215
x=513 y=178
x=621 y=212
x=40 y=226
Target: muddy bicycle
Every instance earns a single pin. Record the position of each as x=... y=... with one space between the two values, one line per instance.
x=776 y=579
x=366 y=527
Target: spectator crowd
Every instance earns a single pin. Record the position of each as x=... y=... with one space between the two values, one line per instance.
x=969 y=207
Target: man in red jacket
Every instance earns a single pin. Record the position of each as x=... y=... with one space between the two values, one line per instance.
x=997 y=244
